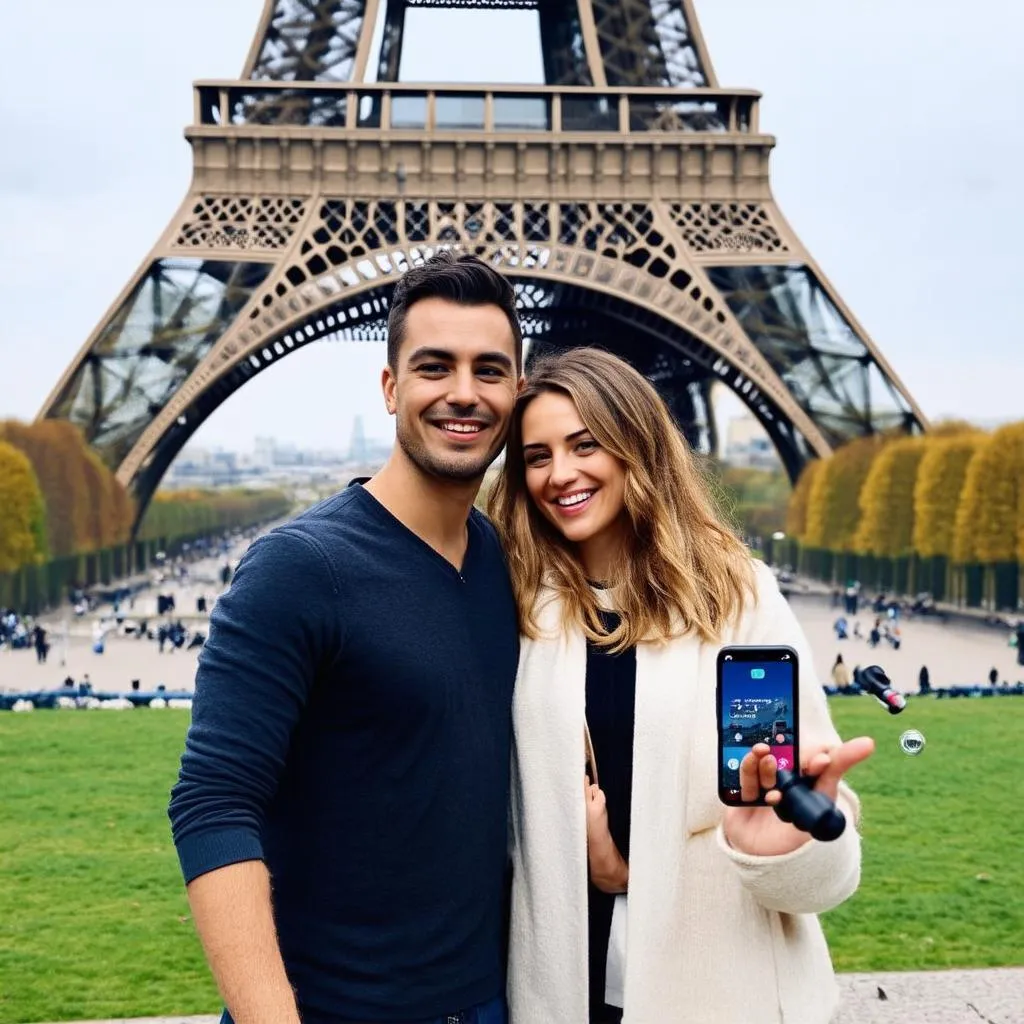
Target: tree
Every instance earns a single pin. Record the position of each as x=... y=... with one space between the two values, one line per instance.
x=886 y=527
x=22 y=511
x=104 y=524
x=54 y=447
x=759 y=498
x=938 y=490
x=988 y=518
x=85 y=505
x=833 y=509
x=799 y=500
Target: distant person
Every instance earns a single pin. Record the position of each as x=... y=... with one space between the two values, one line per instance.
x=841 y=627
x=840 y=673
x=924 y=684
x=341 y=816
x=40 y=644
x=993 y=676
x=1020 y=642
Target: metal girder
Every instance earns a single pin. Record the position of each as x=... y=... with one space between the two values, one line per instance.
x=307 y=40
x=639 y=42
x=650 y=42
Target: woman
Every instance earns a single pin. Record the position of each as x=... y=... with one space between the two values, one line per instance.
x=628 y=585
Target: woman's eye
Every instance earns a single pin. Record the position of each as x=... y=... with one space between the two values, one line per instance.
x=536 y=460
x=587 y=446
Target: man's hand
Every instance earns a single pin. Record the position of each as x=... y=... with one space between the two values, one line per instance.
x=758 y=830
x=608 y=870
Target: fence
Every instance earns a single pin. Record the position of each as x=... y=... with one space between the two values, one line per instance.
x=993 y=587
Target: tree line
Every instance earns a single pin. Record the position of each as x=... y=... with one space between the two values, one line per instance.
x=943 y=512
x=59 y=501
x=57 y=497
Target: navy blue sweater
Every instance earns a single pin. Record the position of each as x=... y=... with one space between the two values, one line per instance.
x=351 y=728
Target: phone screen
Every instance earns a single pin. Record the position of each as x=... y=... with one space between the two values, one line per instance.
x=757 y=703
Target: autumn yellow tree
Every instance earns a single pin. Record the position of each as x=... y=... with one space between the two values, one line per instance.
x=22 y=512
x=886 y=527
x=938 y=490
x=833 y=508
x=988 y=518
x=799 y=500
x=104 y=524
x=55 y=449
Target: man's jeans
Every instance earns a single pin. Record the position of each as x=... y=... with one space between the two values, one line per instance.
x=493 y=1012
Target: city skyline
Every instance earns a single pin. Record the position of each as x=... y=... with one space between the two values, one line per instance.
x=899 y=221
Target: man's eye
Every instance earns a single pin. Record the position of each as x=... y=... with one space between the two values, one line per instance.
x=491 y=371
x=432 y=368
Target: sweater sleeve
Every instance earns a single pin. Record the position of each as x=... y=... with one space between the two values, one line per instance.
x=817 y=876
x=268 y=634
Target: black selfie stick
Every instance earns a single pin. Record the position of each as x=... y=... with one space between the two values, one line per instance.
x=806 y=809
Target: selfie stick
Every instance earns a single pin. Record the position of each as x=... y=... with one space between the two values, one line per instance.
x=806 y=809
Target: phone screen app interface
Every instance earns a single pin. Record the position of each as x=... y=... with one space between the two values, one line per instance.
x=757 y=707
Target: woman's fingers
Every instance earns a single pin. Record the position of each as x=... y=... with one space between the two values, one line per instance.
x=844 y=757
x=753 y=770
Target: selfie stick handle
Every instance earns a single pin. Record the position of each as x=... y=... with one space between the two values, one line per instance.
x=806 y=809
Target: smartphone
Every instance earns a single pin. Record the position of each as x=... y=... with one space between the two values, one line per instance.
x=758 y=702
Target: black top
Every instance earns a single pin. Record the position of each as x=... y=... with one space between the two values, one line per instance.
x=611 y=698
x=352 y=728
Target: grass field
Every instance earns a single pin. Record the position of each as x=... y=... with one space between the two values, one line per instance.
x=94 y=921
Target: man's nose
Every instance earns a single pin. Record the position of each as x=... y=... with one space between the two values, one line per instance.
x=462 y=387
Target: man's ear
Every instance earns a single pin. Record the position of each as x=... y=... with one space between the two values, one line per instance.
x=389 y=385
x=521 y=384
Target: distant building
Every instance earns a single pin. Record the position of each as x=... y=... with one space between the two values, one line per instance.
x=357 y=450
x=747 y=446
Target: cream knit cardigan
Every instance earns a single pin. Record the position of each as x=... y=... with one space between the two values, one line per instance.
x=714 y=936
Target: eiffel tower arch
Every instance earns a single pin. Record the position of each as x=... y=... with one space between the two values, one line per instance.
x=628 y=198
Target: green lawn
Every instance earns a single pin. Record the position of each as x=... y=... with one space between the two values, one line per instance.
x=94 y=921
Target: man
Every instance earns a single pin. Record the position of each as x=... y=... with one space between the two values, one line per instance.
x=341 y=810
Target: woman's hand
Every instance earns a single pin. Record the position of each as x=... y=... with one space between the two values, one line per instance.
x=608 y=870
x=758 y=830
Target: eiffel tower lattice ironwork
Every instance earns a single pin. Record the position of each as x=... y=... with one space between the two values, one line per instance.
x=628 y=198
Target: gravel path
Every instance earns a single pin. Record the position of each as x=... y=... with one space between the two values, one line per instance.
x=993 y=996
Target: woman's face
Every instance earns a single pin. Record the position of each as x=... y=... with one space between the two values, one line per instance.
x=577 y=485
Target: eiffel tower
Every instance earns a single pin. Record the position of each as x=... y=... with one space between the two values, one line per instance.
x=628 y=198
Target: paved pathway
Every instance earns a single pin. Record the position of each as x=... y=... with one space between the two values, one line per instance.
x=922 y=997
x=958 y=652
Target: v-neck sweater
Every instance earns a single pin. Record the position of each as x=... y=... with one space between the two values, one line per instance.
x=351 y=728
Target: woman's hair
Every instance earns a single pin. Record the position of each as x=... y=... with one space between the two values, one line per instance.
x=683 y=570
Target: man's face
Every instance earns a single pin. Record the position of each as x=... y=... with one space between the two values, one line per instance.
x=454 y=387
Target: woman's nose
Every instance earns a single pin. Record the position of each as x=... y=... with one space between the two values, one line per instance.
x=563 y=471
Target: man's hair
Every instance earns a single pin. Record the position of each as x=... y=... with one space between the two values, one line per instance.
x=464 y=279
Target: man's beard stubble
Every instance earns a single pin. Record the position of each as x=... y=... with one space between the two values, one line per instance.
x=456 y=470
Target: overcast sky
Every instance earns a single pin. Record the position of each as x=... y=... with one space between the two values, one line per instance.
x=900 y=147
